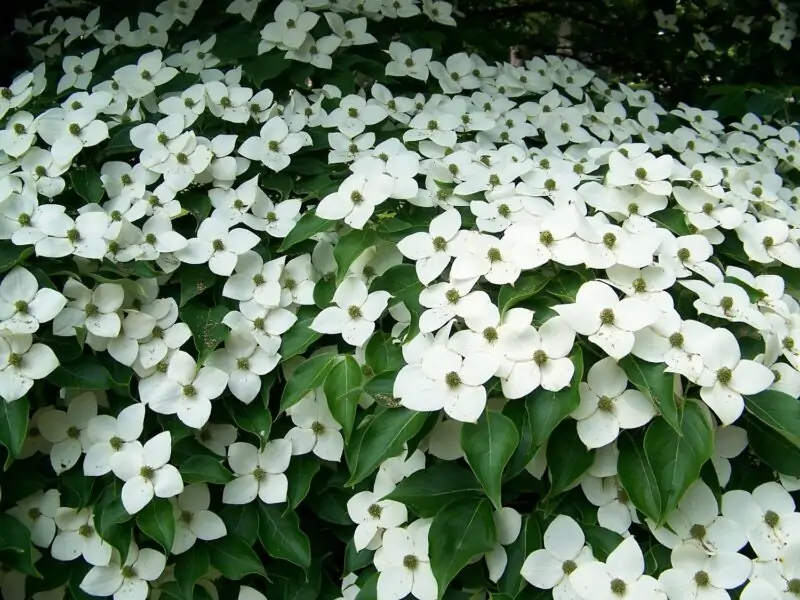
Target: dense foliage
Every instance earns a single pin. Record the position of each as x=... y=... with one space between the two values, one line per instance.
x=303 y=300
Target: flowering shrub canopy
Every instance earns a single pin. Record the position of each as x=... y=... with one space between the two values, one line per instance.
x=296 y=305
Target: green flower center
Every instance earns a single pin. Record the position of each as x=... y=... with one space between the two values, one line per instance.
x=374 y=511
x=676 y=340
x=503 y=210
x=147 y=473
x=550 y=185
x=607 y=316
x=640 y=173
x=317 y=428
x=225 y=102
x=618 y=587
x=150 y=238
x=182 y=158
x=73 y=433
x=115 y=443
x=410 y=562
x=697 y=532
x=356 y=198
x=609 y=239
x=162 y=138
x=546 y=238
x=793 y=587
x=540 y=357
x=218 y=245
x=568 y=567
x=289 y=283
x=90 y=309
x=259 y=474
x=439 y=243
x=605 y=404
x=633 y=208
x=788 y=343
x=128 y=572
x=85 y=531
x=452 y=379
x=726 y=303
x=74 y=128
x=724 y=375
x=354 y=312
x=186 y=516
x=683 y=254
x=21 y=306
x=494 y=255
x=771 y=518
x=768 y=242
x=15 y=360
x=639 y=285
x=34 y=513
x=189 y=390
x=19 y=128
x=490 y=334
x=701 y=579
x=40 y=171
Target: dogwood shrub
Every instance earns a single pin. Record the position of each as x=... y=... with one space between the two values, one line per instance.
x=302 y=300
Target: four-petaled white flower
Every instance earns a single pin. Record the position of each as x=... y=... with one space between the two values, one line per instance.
x=355 y=312
x=193 y=520
x=259 y=473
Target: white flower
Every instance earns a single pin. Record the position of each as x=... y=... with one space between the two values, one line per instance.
x=608 y=321
x=353 y=32
x=608 y=406
x=21 y=363
x=68 y=134
x=246 y=8
x=290 y=28
x=621 y=576
x=193 y=520
x=727 y=376
x=38 y=513
x=95 y=310
x=245 y=362
x=445 y=301
x=446 y=381
x=372 y=516
x=315 y=428
x=217 y=245
x=767 y=515
x=674 y=342
x=146 y=472
x=769 y=241
x=355 y=312
x=77 y=71
x=246 y=592
x=694 y=570
x=564 y=551
x=614 y=509
x=108 y=435
x=68 y=431
x=403 y=563
x=154 y=139
x=354 y=114
x=186 y=391
x=274 y=145
x=356 y=199
x=259 y=473
x=19 y=134
x=275 y=219
x=507 y=523
x=405 y=62
x=78 y=537
x=266 y=325
x=81 y=28
x=23 y=306
x=126 y=581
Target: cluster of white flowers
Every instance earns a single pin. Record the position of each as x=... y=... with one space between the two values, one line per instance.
x=431 y=218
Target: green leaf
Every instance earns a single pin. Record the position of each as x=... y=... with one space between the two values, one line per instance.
x=308 y=225
x=15 y=544
x=282 y=538
x=522 y=289
x=655 y=383
x=255 y=416
x=194 y=280
x=300 y=335
x=565 y=287
x=427 y=491
x=208 y=330
x=324 y=290
x=157 y=522
x=300 y=473
x=241 y=521
x=13 y=426
x=777 y=410
x=11 y=255
x=773 y=448
x=380 y=438
x=204 y=469
x=356 y=560
x=266 y=67
x=342 y=389
x=488 y=446
x=86 y=183
x=120 y=142
x=525 y=451
x=637 y=477
x=459 y=532
x=678 y=456
x=402 y=283
x=567 y=458
x=112 y=521
x=85 y=374
x=234 y=558
x=350 y=247
x=528 y=540
x=383 y=354
x=672 y=219
x=603 y=541
x=307 y=377
x=191 y=566
x=547 y=409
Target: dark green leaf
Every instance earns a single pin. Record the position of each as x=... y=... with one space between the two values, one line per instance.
x=567 y=458
x=603 y=541
x=85 y=374
x=120 y=142
x=356 y=560
x=324 y=290
x=350 y=247
x=656 y=384
x=13 y=426
x=157 y=522
x=342 y=389
x=429 y=490
x=777 y=410
x=402 y=283
x=307 y=377
x=459 y=532
x=86 y=183
x=255 y=416
x=522 y=289
x=381 y=438
x=673 y=219
x=266 y=67
x=525 y=451
x=11 y=255
x=300 y=473
x=308 y=225
x=300 y=336
x=528 y=540
x=282 y=538
x=191 y=566
x=677 y=457
x=488 y=445
x=194 y=280
x=547 y=409
x=241 y=521
x=204 y=469
x=15 y=544
x=208 y=330
x=234 y=558
x=773 y=448
x=383 y=353
x=637 y=477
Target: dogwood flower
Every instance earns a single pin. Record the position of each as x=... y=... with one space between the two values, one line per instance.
x=245 y=362
x=217 y=245
x=403 y=564
x=108 y=435
x=77 y=537
x=608 y=321
x=356 y=199
x=354 y=313
x=68 y=431
x=77 y=71
x=693 y=570
x=146 y=471
x=373 y=516
x=193 y=520
x=96 y=310
x=259 y=473
x=23 y=306
x=274 y=145
x=315 y=428
x=129 y=580
x=21 y=363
